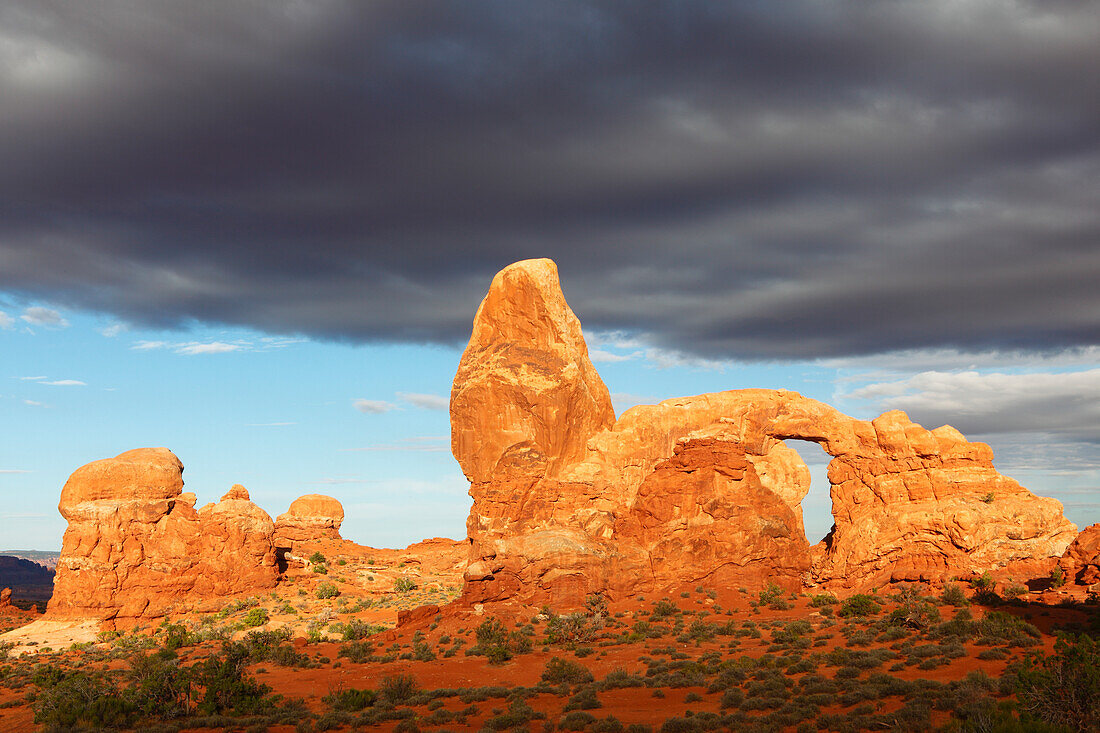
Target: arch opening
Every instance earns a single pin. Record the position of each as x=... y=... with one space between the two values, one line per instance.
x=817 y=505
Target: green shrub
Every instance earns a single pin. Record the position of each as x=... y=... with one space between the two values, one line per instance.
x=71 y=700
x=518 y=716
x=822 y=600
x=351 y=700
x=271 y=646
x=571 y=629
x=327 y=590
x=985 y=589
x=585 y=699
x=358 y=652
x=158 y=686
x=792 y=632
x=255 y=617
x=404 y=584
x=497 y=644
x=1064 y=688
x=663 y=609
x=772 y=597
x=226 y=687
x=1004 y=628
x=398 y=688
x=953 y=596
x=1057 y=577
x=859 y=605
x=559 y=671
x=576 y=720
x=177 y=636
x=317 y=558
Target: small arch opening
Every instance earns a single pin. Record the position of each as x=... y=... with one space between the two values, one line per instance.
x=817 y=506
x=281 y=560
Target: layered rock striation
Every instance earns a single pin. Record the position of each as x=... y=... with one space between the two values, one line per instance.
x=136 y=547
x=569 y=501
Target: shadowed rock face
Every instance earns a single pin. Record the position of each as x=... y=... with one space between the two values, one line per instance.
x=1081 y=561
x=568 y=501
x=136 y=548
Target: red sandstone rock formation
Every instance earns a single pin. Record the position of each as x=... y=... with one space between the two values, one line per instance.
x=309 y=518
x=136 y=548
x=5 y=598
x=525 y=392
x=568 y=501
x=1081 y=561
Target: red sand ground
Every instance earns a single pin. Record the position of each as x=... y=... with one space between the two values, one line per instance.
x=631 y=705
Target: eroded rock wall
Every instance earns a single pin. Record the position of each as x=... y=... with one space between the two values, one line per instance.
x=1081 y=561
x=568 y=501
x=136 y=548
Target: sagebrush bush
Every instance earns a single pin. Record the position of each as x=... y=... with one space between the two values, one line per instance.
x=859 y=605
x=558 y=671
x=953 y=596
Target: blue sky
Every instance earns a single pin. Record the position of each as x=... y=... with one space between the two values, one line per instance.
x=368 y=424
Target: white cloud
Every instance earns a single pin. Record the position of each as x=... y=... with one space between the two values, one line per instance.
x=615 y=339
x=280 y=342
x=114 y=329
x=669 y=358
x=913 y=361
x=426 y=401
x=373 y=407
x=34 y=403
x=600 y=355
x=1066 y=403
x=6 y=321
x=623 y=401
x=13 y=470
x=214 y=347
x=32 y=379
x=67 y=383
x=192 y=348
x=47 y=317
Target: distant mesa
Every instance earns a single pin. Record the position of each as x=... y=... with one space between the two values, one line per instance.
x=569 y=501
x=30 y=582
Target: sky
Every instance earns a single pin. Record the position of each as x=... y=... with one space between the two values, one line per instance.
x=256 y=232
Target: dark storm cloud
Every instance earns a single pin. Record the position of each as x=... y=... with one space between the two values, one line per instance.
x=756 y=180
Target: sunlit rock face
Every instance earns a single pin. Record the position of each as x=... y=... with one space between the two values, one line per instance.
x=1081 y=561
x=569 y=501
x=136 y=548
x=310 y=518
